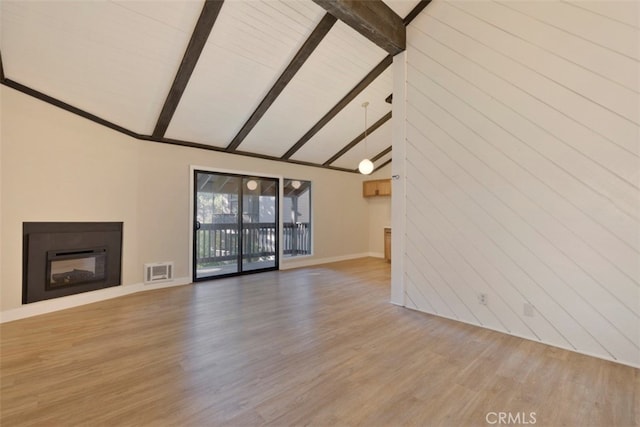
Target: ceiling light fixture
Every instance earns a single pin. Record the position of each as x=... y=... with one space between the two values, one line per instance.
x=366 y=166
x=296 y=184
x=252 y=184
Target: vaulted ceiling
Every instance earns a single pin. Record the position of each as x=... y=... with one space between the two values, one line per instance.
x=276 y=79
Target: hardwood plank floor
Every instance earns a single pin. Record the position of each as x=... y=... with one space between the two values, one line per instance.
x=314 y=346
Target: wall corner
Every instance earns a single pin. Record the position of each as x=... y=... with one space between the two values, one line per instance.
x=398 y=206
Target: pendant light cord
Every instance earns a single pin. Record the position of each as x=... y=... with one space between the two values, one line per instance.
x=365 y=166
x=366 y=151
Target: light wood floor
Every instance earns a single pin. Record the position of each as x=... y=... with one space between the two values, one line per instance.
x=315 y=346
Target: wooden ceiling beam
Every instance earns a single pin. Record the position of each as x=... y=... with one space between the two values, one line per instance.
x=198 y=40
x=382 y=165
x=296 y=63
x=70 y=108
x=358 y=138
x=1 y=68
x=375 y=169
x=407 y=20
x=415 y=11
x=373 y=74
x=382 y=153
x=373 y=19
x=79 y=112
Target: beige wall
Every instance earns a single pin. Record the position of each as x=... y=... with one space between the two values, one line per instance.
x=59 y=167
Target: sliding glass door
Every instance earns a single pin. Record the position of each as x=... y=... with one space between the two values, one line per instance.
x=235 y=224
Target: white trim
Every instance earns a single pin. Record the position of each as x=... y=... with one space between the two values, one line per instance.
x=280 y=222
x=309 y=261
x=57 y=304
x=295 y=257
x=376 y=254
x=233 y=172
x=398 y=168
x=312 y=215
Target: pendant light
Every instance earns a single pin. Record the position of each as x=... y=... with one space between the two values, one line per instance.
x=366 y=166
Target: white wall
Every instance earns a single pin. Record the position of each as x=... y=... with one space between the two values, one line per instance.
x=59 y=167
x=522 y=170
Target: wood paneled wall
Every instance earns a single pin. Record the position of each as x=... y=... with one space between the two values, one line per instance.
x=521 y=170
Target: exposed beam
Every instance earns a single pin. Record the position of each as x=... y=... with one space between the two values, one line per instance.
x=373 y=19
x=358 y=138
x=198 y=40
x=378 y=157
x=415 y=11
x=296 y=63
x=335 y=110
x=84 y=114
x=407 y=20
x=383 y=165
x=53 y=101
x=375 y=169
x=295 y=162
x=381 y=154
x=373 y=74
x=1 y=68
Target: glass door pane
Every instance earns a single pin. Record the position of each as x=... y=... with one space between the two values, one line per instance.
x=235 y=224
x=296 y=218
x=216 y=236
x=259 y=223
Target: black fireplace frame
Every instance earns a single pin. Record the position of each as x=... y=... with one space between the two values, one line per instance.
x=39 y=239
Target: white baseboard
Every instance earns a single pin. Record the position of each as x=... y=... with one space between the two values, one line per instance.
x=309 y=261
x=49 y=306
x=376 y=254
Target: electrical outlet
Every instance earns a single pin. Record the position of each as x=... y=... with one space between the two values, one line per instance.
x=528 y=309
x=482 y=299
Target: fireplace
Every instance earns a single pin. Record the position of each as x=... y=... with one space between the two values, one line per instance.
x=75 y=267
x=66 y=258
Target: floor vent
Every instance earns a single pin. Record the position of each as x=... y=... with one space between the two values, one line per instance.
x=158 y=272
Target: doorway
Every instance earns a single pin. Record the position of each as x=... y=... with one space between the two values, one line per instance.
x=235 y=224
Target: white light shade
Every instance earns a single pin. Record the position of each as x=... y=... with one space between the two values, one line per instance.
x=252 y=185
x=296 y=184
x=365 y=167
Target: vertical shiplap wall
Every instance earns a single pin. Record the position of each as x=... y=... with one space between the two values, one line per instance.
x=522 y=170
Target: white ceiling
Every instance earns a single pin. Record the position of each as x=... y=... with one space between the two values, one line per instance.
x=244 y=56
x=117 y=60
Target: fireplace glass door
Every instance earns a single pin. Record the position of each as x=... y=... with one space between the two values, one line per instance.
x=235 y=224
x=76 y=267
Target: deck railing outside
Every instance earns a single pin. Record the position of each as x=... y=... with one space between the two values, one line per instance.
x=219 y=242
x=296 y=239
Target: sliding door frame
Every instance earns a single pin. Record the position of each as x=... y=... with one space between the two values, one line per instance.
x=192 y=197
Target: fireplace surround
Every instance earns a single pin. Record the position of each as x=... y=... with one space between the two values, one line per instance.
x=67 y=258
